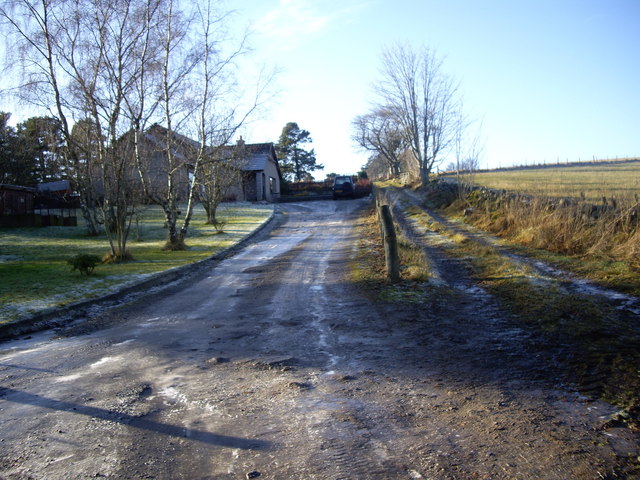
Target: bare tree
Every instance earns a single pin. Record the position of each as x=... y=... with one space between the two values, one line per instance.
x=100 y=47
x=218 y=116
x=200 y=104
x=376 y=167
x=422 y=101
x=81 y=165
x=221 y=170
x=378 y=132
x=120 y=66
x=35 y=28
x=82 y=58
x=468 y=149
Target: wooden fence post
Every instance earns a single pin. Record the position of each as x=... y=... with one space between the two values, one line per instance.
x=390 y=244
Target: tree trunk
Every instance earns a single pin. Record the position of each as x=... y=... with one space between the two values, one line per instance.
x=424 y=174
x=211 y=215
x=91 y=224
x=173 y=240
x=211 y=207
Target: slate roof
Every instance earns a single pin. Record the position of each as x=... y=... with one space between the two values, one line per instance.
x=59 y=186
x=259 y=154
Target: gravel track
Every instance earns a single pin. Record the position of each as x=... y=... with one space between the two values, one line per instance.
x=271 y=364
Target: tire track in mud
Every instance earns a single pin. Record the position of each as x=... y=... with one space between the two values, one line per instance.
x=342 y=442
x=340 y=432
x=287 y=370
x=497 y=332
x=349 y=438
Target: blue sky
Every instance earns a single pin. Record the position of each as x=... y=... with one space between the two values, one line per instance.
x=548 y=80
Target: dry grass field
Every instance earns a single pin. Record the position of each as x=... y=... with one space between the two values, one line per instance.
x=619 y=180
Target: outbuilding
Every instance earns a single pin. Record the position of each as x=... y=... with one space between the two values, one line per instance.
x=261 y=173
x=16 y=205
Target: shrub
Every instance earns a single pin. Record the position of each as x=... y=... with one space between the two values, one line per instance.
x=84 y=263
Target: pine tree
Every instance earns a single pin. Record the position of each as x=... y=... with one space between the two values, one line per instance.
x=296 y=163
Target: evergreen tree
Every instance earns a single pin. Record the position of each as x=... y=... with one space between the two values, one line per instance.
x=29 y=153
x=296 y=163
x=7 y=145
x=40 y=140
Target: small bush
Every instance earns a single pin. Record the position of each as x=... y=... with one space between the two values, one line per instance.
x=84 y=263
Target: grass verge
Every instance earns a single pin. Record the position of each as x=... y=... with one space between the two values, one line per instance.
x=601 y=344
x=35 y=274
x=605 y=250
x=368 y=266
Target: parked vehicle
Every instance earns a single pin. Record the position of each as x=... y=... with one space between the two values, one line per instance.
x=343 y=187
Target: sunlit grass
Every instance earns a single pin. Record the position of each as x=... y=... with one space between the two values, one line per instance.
x=620 y=181
x=35 y=275
x=368 y=268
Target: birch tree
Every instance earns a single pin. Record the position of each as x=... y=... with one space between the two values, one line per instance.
x=118 y=67
x=202 y=107
x=79 y=60
x=36 y=29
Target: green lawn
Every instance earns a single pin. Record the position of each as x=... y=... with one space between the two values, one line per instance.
x=33 y=261
x=618 y=180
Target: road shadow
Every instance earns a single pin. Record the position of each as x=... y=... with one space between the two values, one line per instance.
x=9 y=365
x=25 y=398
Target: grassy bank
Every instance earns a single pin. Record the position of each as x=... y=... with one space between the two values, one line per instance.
x=35 y=274
x=593 y=231
x=599 y=342
x=602 y=245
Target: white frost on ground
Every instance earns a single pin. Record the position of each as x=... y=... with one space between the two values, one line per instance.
x=96 y=287
x=93 y=288
x=68 y=378
x=472 y=290
x=103 y=361
x=14 y=310
x=172 y=394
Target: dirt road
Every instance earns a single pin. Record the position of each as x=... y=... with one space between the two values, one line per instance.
x=271 y=365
